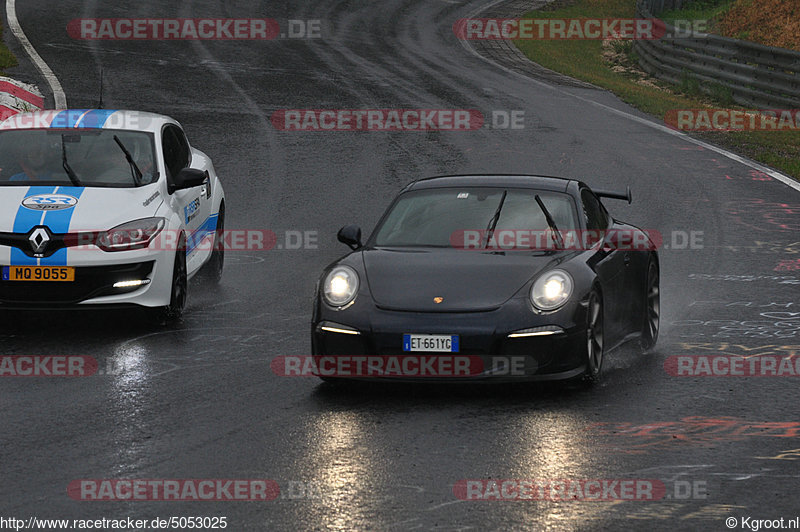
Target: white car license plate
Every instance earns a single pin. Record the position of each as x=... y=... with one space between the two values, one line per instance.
x=431 y=343
x=39 y=273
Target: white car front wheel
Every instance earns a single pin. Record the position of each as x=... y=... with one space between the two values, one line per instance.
x=177 y=301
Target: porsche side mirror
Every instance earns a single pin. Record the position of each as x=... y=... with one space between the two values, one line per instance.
x=188 y=178
x=350 y=235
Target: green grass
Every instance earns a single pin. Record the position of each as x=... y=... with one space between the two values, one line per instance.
x=7 y=59
x=777 y=149
x=584 y=60
x=710 y=10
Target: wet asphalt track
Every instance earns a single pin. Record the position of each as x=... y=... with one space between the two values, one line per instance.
x=198 y=399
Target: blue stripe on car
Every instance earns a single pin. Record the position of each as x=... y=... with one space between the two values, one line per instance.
x=59 y=222
x=96 y=118
x=86 y=118
x=194 y=239
x=67 y=118
x=26 y=220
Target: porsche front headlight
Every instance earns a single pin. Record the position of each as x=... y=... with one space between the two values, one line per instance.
x=551 y=290
x=340 y=286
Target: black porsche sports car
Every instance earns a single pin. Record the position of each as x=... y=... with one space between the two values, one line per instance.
x=500 y=277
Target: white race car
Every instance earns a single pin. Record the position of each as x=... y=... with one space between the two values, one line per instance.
x=104 y=207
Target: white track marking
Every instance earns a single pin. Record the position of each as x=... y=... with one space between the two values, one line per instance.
x=55 y=85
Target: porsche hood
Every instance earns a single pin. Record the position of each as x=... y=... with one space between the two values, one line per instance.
x=449 y=280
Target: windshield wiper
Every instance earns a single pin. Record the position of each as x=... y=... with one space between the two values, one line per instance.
x=550 y=222
x=494 y=219
x=67 y=168
x=135 y=172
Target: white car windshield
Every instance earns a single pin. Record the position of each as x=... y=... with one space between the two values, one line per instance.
x=92 y=158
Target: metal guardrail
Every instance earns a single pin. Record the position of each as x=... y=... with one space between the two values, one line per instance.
x=756 y=75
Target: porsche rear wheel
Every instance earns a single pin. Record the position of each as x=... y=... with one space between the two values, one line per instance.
x=652 y=311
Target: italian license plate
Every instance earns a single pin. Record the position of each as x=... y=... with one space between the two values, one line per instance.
x=39 y=273
x=431 y=343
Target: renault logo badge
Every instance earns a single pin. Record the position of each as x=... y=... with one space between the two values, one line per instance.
x=39 y=238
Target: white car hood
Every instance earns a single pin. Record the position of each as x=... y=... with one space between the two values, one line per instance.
x=70 y=209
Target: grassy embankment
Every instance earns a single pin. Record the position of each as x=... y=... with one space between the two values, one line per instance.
x=613 y=65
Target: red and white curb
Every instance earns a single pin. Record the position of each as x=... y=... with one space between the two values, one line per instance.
x=16 y=97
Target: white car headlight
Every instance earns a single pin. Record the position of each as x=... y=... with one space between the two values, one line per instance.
x=131 y=235
x=551 y=290
x=340 y=286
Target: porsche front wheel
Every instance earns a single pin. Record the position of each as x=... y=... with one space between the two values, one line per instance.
x=595 y=336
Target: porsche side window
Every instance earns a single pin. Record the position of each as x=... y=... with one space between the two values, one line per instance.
x=593 y=212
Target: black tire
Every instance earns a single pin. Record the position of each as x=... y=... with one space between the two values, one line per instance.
x=211 y=272
x=594 y=347
x=179 y=291
x=652 y=308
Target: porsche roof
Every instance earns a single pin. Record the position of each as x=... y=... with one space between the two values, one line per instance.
x=87 y=119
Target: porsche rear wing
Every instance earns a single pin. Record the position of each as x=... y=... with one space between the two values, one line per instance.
x=616 y=195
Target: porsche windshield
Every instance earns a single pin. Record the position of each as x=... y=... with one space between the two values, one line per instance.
x=92 y=158
x=451 y=217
